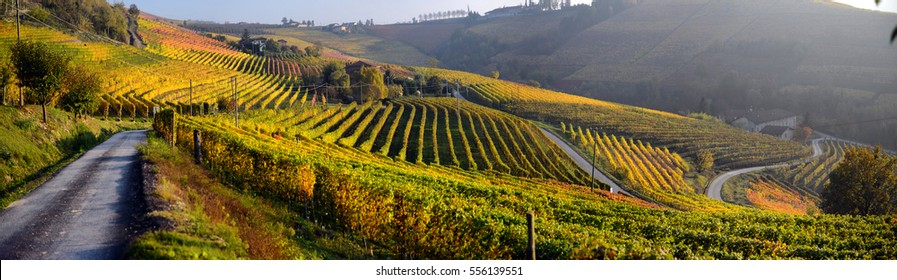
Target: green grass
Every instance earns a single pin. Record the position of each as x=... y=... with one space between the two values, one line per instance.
x=31 y=151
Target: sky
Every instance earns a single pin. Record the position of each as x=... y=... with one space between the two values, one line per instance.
x=321 y=11
x=337 y=11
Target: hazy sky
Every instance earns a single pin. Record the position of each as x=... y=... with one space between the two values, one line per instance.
x=322 y=12
x=331 y=11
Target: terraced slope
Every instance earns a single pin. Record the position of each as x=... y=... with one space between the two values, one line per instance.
x=432 y=131
x=437 y=212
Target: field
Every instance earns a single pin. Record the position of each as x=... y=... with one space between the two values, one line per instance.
x=431 y=131
x=731 y=147
x=423 y=212
x=358 y=45
x=794 y=189
x=670 y=54
x=654 y=174
x=425 y=37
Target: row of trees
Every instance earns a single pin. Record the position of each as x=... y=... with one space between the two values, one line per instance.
x=49 y=78
x=440 y=15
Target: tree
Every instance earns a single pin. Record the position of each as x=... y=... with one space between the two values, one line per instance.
x=246 y=36
x=704 y=161
x=314 y=50
x=335 y=75
x=803 y=134
x=533 y=83
x=134 y=11
x=285 y=21
x=40 y=69
x=432 y=62
x=495 y=74
x=435 y=84
x=81 y=93
x=864 y=183
x=372 y=87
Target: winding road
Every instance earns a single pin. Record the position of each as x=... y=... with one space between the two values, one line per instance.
x=583 y=163
x=715 y=188
x=89 y=210
x=580 y=161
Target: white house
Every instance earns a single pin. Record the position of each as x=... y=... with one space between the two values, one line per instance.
x=756 y=120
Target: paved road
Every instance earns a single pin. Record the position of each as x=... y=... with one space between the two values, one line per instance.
x=714 y=189
x=89 y=210
x=584 y=164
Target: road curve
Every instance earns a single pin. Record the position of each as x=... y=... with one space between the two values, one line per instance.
x=583 y=163
x=715 y=188
x=89 y=210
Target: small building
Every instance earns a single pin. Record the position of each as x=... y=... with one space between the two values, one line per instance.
x=356 y=66
x=506 y=12
x=781 y=132
x=755 y=120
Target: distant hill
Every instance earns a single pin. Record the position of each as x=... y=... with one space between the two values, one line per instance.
x=828 y=61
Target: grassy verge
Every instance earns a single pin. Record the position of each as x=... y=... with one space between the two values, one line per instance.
x=734 y=190
x=205 y=219
x=31 y=151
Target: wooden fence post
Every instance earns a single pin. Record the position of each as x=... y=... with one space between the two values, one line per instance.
x=531 y=245
x=197 y=146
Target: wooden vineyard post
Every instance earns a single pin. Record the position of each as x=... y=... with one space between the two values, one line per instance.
x=197 y=146
x=531 y=230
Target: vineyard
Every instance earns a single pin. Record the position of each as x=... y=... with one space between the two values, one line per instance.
x=768 y=194
x=655 y=174
x=811 y=176
x=425 y=212
x=731 y=147
x=796 y=188
x=161 y=75
x=441 y=178
x=432 y=131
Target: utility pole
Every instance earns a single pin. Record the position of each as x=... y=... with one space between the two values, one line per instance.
x=18 y=31
x=594 y=162
x=19 y=39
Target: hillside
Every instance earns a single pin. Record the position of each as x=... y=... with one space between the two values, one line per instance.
x=436 y=207
x=825 y=60
x=440 y=178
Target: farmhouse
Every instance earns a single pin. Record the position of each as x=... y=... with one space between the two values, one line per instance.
x=755 y=120
x=782 y=132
